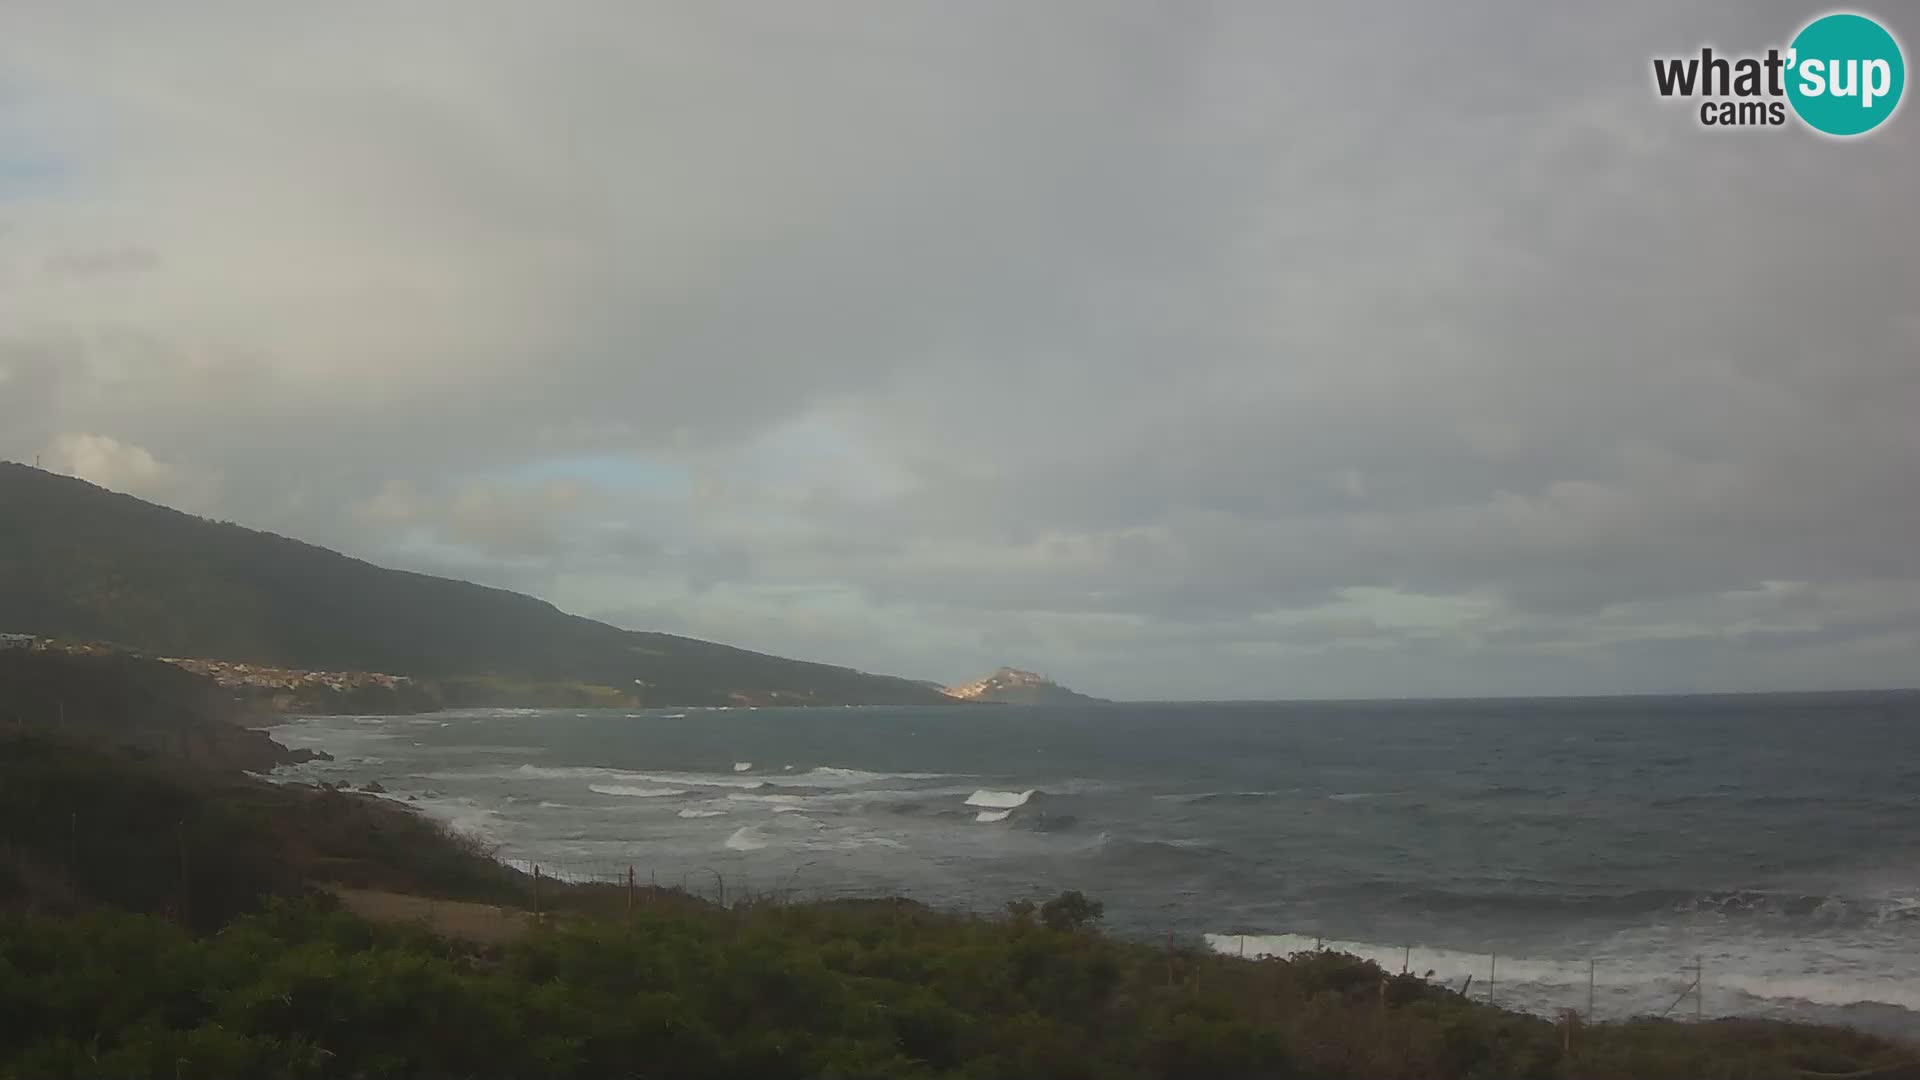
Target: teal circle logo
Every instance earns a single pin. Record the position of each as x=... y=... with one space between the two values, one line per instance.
x=1845 y=74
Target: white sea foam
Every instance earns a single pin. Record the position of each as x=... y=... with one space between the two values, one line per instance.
x=773 y=800
x=1000 y=800
x=695 y=812
x=464 y=816
x=992 y=815
x=670 y=779
x=743 y=766
x=834 y=775
x=632 y=792
x=746 y=838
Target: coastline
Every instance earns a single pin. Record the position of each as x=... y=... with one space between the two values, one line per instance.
x=555 y=799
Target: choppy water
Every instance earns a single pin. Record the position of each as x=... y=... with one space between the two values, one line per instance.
x=1775 y=840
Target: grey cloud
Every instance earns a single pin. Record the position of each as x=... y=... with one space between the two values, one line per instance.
x=126 y=259
x=1149 y=335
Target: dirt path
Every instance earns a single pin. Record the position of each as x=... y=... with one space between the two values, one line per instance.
x=481 y=923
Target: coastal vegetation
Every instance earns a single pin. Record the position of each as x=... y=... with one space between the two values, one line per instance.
x=166 y=919
x=763 y=991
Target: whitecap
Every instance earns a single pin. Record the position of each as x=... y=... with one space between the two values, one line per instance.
x=1000 y=800
x=746 y=838
x=834 y=775
x=992 y=815
x=771 y=800
x=671 y=779
x=694 y=812
x=632 y=792
x=743 y=766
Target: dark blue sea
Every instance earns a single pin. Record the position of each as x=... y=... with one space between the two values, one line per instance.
x=1770 y=842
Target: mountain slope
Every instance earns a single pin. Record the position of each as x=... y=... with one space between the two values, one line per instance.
x=78 y=561
x=1011 y=686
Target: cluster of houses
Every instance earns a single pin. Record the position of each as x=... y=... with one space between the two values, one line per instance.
x=230 y=674
x=18 y=641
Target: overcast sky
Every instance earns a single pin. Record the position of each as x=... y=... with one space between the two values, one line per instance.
x=1174 y=350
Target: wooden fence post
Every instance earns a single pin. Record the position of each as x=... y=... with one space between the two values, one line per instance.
x=536 y=892
x=629 y=891
x=186 y=887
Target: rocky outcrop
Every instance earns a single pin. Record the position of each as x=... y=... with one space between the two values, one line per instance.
x=1011 y=686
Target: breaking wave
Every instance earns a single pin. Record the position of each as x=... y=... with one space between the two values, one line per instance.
x=595 y=772
x=632 y=792
x=746 y=838
x=1000 y=800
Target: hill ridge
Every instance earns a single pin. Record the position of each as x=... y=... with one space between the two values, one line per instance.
x=79 y=561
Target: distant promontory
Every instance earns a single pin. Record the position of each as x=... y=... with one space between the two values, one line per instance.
x=1011 y=686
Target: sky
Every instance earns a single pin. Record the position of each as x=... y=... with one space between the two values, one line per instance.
x=1174 y=350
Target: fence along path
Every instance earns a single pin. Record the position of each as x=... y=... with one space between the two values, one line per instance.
x=1586 y=988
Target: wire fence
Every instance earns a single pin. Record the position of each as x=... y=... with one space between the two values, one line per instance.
x=1612 y=986
x=726 y=886
x=1590 y=989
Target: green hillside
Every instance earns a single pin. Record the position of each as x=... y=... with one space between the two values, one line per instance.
x=77 y=561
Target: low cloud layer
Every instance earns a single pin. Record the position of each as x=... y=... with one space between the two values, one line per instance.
x=1175 y=350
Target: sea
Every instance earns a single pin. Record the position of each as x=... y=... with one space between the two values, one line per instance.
x=1694 y=856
